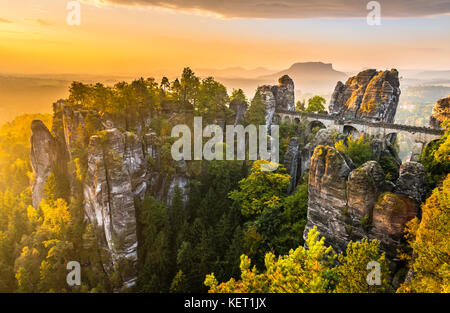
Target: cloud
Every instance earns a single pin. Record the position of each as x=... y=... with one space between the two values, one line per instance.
x=39 y=21
x=293 y=8
x=2 y=20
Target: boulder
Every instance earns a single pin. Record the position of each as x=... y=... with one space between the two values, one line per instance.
x=364 y=186
x=412 y=181
x=390 y=215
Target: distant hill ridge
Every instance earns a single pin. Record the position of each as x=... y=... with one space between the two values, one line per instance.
x=311 y=76
x=310 y=67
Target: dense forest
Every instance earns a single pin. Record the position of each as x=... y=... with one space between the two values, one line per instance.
x=240 y=225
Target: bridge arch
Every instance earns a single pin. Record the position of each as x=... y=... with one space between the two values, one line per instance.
x=314 y=124
x=349 y=130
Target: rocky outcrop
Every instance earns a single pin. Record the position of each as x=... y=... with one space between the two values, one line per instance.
x=122 y=167
x=327 y=196
x=281 y=96
x=300 y=150
x=412 y=181
x=390 y=215
x=441 y=112
x=43 y=156
x=291 y=162
x=370 y=95
x=350 y=204
x=115 y=180
x=364 y=185
x=284 y=93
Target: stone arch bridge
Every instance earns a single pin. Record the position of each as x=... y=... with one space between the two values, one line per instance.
x=419 y=136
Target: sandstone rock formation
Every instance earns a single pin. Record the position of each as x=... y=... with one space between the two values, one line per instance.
x=412 y=181
x=291 y=162
x=43 y=156
x=370 y=95
x=364 y=185
x=327 y=200
x=441 y=112
x=280 y=96
x=322 y=137
x=284 y=93
x=122 y=167
x=300 y=150
x=114 y=180
x=390 y=215
x=350 y=204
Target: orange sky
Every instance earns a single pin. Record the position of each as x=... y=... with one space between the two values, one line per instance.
x=143 y=41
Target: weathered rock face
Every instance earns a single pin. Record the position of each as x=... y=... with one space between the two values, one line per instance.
x=281 y=96
x=122 y=169
x=364 y=185
x=390 y=215
x=300 y=150
x=350 y=204
x=291 y=161
x=412 y=181
x=327 y=196
x=114 y=181
x=322 y=137
x=284 y=93
x=370 y=95
x=441 y=112
x=43 y=156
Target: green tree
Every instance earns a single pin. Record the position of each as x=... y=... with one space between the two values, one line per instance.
x=435 y=158
x=256 y=113
x=165 y=84
x=260 y=189
x=316 y=268
x=316 y=105
x=428 y=239
x=300 y=106
x=179 y=284
x=302 y=270
x=239 y=96
x=358 y=150
x=352 y=271
x=211 y=100
x=189 y=85
x=154 y=250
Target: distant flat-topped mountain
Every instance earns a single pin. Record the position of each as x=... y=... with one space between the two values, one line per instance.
x=311 y=76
